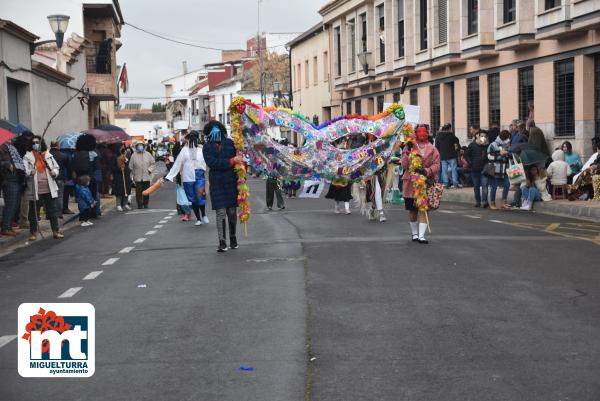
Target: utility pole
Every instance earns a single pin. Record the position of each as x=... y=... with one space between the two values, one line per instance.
x=260 y=62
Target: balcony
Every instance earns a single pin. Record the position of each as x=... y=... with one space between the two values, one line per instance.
x=585 y=14
x=517 y=33
x=552 y=23
x=101 y=74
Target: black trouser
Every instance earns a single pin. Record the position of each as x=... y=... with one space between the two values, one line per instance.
x=11 y=191
x=274 y=189
x=121 y=200
x=141 y=186
x=60 y=198
x=68 y=190
x=49 y=204
x=85 y=214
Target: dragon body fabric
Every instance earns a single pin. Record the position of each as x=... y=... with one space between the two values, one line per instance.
x=318 y=157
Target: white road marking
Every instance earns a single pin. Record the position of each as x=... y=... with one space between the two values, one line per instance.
x=139 y=240
x=6 y=339
x=163 y=222
x=127 y=249
x=497 y=221
x=151 y=232
x=472 y=217
x=70 y=292
x=168 y=217
x=447 y=211
x=93 y=275
x=110 y=261
x=158 y=226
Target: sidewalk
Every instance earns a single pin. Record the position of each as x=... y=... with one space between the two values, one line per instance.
x=583 y=210
x=69 y=221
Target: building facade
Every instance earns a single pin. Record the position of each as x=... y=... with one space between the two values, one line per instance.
x=471 y=62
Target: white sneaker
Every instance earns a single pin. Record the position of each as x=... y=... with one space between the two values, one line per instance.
x=198 y=223
x=382 y=217
x=119 y=208
x=337 y=209
x=86 y=224
x=127 y=207
x=348 y=211
x=205 y=220
x=526 y=205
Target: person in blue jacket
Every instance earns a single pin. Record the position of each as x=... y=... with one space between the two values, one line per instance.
x=220 y=157
x=85 y=200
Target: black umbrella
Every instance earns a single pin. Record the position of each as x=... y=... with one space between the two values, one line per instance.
x=529 y=153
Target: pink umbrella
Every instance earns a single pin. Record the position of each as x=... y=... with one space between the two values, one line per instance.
x=108 y=134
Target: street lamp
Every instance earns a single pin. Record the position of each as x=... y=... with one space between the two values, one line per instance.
x=277 y=89
x=59 y=24
x=363 y=59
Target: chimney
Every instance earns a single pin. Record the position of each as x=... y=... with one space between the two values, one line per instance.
x=185 y=70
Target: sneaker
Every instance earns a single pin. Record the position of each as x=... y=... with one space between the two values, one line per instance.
x=348 y=211
x=233 y=243
x=58 y=235
x=198 y=223
x=336 y=209
x=415 y=238
x=422 y=241
x=205 y=220
x=282 y=208
x=459 y=186
x=119 y=208
x=127 y=207
x=222 y=246
x=185 y=217
x=269 y=208
x=85 y=223
x=382 y=218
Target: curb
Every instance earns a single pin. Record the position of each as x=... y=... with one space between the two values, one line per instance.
x=576 y=210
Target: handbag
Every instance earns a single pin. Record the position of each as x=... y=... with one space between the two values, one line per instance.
x=515 y=172
x=434 y=195
x=489 y=170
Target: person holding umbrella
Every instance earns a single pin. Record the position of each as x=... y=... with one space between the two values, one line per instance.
x=41 y=169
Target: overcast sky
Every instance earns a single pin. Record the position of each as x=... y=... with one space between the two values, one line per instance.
x=214 y=23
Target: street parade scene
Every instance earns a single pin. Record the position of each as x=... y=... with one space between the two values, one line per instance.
x=300 y=200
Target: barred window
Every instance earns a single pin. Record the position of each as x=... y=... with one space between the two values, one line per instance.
x=357 y=107
x=363 y=32
x=509 y=11
x=494 y=98
x=380 y=102
x=434 y=102
x=564 y=98
x=414 y=97
x=348 y=107
x=442 y=21
x=525 y=92
x=352 y=44
x=597 y=92
x=400 y=6
x=423 y=23
x=473 y=102
x=472 y=16
x=396 y=97
x=381 y=17
x=338 y=52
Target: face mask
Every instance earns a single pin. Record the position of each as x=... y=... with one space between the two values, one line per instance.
x=36 y=147
x=482 y=139
x=215 y=134
x=140 y=149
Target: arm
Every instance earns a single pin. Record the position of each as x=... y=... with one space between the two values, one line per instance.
x=404 y=159
x=52 y=165
x=175 y=168
x=29 y=167
x=216 y=161
x=434 y=167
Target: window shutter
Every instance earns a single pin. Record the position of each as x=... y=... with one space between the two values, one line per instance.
x=442 y=21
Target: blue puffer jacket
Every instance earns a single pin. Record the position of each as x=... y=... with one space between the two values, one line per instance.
x=84 y=197
x=221 y=176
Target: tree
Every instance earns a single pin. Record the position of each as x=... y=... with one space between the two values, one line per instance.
x=276 y=68
x=158 y=107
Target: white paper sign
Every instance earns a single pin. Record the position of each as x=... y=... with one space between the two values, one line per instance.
x=312 y=189
x=412 y=113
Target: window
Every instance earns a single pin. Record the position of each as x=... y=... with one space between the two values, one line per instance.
x=357 y=107
x=414 y=97
x=564 y=98
x=381 y=18
x=352 y=44
x=442 y=21
x=338 y=52
x=348 y=107
x=400 y=5
x=525 y=91
x=551 y=4
x=508 y=11
x=434 y=102
x=380 y=102
x=472 y=102
x=325 y=66
x=299 y=75
x=306 y=73
x=423 y=23
x=494 y=98
x=315 y=70
x=451 y=85
x=13 y=101
x=363 y=33
x=396 y=97
x=472 y=16
x=597 y=92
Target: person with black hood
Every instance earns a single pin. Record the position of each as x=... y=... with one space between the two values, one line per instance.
x=220 y=157
x=22 y=143
x=476 y=155
x=448 y=144
x=63 y=163
x=12 y=172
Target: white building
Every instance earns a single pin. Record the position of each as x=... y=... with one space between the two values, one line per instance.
x=187 y=100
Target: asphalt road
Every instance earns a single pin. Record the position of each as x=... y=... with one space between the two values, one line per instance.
x=499 y=306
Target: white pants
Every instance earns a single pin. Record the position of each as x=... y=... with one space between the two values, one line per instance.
x=378 y=195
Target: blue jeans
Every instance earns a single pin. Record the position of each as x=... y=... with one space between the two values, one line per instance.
x=480 y=186
x=505 y=187
x=531 y=194
x=453 y=164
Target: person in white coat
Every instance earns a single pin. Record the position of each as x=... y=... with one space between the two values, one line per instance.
x=192 y=167
x=559 y=170
x=141 y=164
x=41 y=170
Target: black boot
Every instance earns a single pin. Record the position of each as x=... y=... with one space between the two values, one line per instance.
x=222 y=246
x=233 y=243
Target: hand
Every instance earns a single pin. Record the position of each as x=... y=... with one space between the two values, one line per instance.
x=238 y=159
x=421 y=171
x=503 y=152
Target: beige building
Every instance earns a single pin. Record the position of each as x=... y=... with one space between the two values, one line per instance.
x=468 y=62
x=311 y=77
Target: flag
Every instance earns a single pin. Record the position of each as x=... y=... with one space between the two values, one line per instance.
x=123 y=79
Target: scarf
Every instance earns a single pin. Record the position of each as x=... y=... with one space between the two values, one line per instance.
x=16 y=158
x=40 y=165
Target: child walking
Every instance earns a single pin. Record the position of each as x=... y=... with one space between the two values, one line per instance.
x=85 y=200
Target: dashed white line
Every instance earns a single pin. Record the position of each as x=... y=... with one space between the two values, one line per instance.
x=163 y=222
x=158 y=226
x=110 y=262
x=497 y=221
x=472 y=217
x=151 y=232
x=70 y=292
x=93 y=275
x=168 y=217
x=139 y=240
x=127 y=249
x=6 y=339
x=172 y=213
x=447 y=211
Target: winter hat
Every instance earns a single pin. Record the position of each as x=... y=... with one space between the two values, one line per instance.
x=558 y=155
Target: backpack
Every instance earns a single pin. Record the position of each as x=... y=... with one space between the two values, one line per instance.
x=81 y=163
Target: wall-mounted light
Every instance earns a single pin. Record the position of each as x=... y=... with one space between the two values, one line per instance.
x=363 y=59
x=59 y=24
